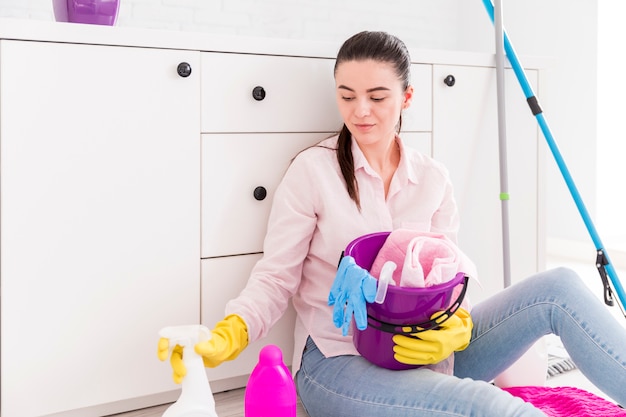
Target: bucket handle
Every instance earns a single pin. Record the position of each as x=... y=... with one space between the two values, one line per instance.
x=421 y=327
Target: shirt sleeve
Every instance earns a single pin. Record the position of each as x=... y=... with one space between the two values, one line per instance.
x=276 y=276
x=446 y=219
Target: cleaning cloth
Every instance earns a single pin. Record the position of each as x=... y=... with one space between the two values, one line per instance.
x=426 y=258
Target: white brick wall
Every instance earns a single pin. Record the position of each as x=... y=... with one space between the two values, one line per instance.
x=420 y=23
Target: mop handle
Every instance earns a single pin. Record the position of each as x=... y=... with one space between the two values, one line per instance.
x=603 y=262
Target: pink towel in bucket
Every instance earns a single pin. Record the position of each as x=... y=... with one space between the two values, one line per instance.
x=567 y=402
x=422 y=258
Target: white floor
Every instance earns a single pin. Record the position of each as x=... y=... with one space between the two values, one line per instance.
x=581 y=258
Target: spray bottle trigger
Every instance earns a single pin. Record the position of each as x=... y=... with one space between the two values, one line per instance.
x=186 y=335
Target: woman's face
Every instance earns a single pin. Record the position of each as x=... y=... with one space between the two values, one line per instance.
x=370 y=98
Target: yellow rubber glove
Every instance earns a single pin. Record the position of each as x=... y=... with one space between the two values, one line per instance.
x=176 y=360
x=228 y=339
x=433 y=346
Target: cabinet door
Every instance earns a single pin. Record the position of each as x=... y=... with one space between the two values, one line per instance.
x=222 y=280
x=465 y=137
x=234 y=218
x=100 y=187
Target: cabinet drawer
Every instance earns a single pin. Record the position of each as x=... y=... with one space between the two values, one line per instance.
x=222 y=280
x=233 y=167
x=258 y=93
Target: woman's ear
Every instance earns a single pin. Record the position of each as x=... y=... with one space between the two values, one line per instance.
x=408 y=97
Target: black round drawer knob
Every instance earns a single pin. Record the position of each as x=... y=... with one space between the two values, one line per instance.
x=258 y=93
x=449 y=80
x=260 y=193
x=184 y=69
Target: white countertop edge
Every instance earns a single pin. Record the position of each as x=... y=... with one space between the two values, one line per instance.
x=51 y=31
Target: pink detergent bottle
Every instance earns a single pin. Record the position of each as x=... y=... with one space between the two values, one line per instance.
x=271 y=391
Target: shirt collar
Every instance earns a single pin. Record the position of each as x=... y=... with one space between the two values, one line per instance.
x=403 y=173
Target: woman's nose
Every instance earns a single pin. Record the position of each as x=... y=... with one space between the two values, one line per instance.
x=362 y=108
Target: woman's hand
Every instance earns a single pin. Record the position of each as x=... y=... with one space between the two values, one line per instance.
x=433 y=346
x=176 y=359
x=228 y=339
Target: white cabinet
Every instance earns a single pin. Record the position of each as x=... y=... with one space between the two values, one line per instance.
x=100 y=223
x=465 y=137
x=133 y=198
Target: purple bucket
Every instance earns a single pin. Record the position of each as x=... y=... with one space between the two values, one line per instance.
x=404 y=311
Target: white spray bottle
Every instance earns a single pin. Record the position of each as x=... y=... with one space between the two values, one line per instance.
x=196 y=398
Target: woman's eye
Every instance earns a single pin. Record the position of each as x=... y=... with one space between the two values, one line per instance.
x=378 y=98
x=347 y=98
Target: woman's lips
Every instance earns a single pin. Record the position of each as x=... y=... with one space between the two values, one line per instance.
x=363 y=127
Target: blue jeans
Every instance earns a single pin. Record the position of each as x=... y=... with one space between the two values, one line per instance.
x=505 y=326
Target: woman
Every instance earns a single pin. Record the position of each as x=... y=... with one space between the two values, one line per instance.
x=365 y=180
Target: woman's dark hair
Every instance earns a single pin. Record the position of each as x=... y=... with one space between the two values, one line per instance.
x=376 y=46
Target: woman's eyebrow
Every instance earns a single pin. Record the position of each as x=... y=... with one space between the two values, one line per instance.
x=369 y=90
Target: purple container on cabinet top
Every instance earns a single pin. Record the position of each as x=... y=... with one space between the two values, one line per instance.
x=95 y=12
